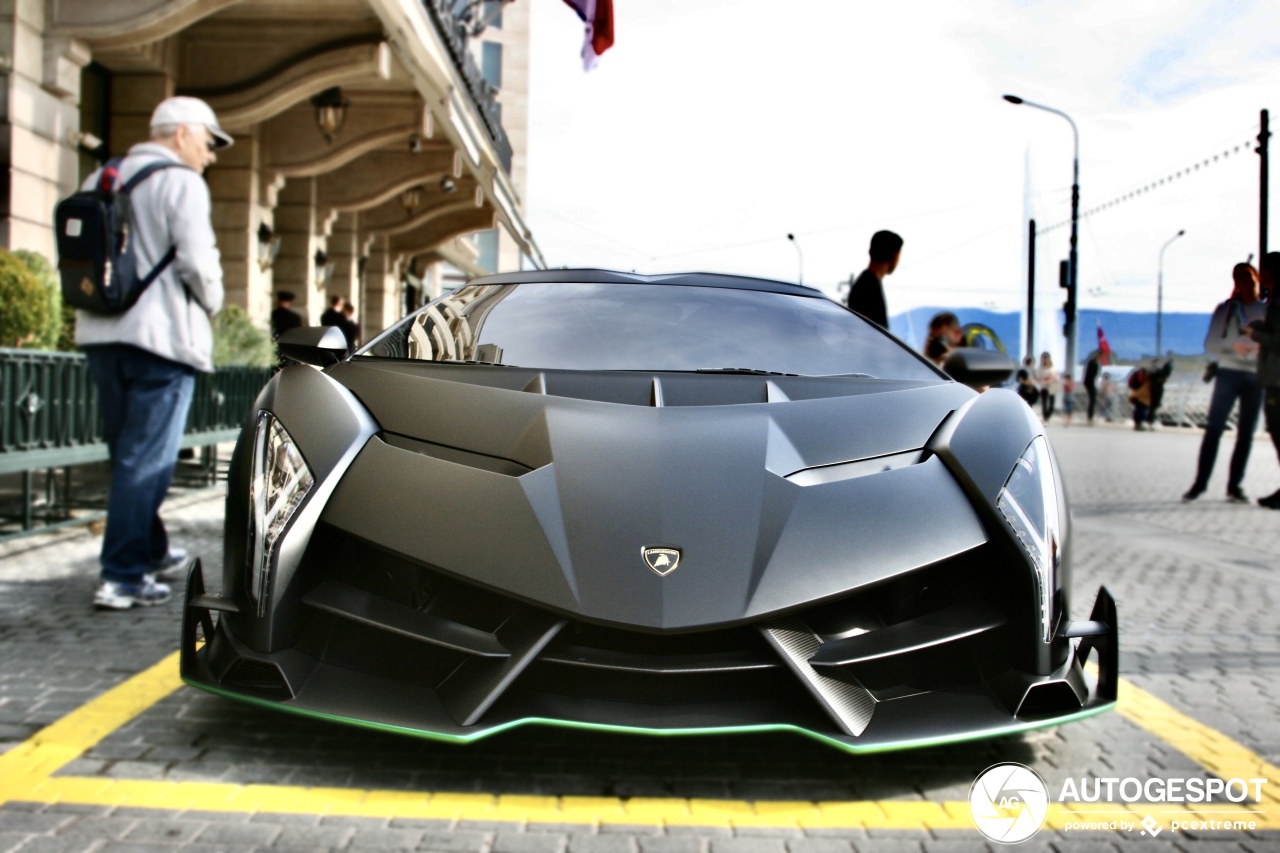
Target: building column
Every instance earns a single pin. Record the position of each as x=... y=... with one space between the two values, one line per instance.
x=344 y=254
x=294 y=270
x=432 y=277
x=233 y=184
x=39 y=124
x=381 y=290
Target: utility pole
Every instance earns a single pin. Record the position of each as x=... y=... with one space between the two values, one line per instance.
x=1066 y=282
x=1264 y=134
x=1070 y=329
x=1031 y=288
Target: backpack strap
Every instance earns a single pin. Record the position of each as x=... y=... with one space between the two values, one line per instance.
x=141 y=175
x=147 y=171
x=169 y=257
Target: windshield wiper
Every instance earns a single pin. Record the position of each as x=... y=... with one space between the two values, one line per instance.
x=472 y=361
x=740 y=370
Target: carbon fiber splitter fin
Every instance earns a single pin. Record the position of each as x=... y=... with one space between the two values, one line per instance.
x=472 y=688
x=848 y=702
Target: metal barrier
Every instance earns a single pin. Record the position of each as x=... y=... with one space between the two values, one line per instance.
x=49 y=419
x=1185 y=404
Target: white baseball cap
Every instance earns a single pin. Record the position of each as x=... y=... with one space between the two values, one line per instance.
x=183 y=110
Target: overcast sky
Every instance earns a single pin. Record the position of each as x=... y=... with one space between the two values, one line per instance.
x=713 y=128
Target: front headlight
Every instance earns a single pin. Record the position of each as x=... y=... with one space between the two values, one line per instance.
x=281 y=479
x=1029 y=502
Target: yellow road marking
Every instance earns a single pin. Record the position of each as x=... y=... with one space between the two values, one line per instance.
x=67 y=739
x=1209 y=748
x=26 y=773
x=1202 y=744
x=884 y=814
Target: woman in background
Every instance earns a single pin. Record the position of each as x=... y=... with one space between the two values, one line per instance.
x=1050 y=386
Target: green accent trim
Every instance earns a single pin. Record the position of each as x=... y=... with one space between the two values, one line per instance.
x=999 y=731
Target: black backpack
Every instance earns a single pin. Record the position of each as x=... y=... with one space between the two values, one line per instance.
x=96 y=258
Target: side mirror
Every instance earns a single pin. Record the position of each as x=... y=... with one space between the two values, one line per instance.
x=978 y=368
x=319 y=345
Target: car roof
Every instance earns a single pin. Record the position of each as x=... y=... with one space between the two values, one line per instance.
x=688 y=279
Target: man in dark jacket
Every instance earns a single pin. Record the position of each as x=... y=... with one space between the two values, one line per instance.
x=332 y=315
x=284 y=318
x=866 y=296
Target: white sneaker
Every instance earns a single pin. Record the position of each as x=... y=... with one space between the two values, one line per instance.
x=175 y=566
x=121 y=596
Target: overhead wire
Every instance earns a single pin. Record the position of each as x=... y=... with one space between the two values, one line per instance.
x=1167 y=178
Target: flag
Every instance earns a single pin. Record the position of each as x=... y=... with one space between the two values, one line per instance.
x=1104 y=348
x=598 y=16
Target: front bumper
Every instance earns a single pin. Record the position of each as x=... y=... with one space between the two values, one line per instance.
x=365 y=661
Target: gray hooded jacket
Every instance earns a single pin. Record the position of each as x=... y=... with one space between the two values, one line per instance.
x=1227 y=328
x=171 y=319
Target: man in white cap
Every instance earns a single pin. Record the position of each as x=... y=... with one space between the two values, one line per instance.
x=144 y=361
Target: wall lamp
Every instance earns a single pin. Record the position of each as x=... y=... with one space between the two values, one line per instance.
x=448 y=185
x=331 y=112
x=324 y=269
x=268 y=247
x=411 y=199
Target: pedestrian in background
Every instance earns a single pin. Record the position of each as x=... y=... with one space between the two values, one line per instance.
x=144 y=361
x=1092 y=367
x=349 y=327
x=1068 y=399
x=866 y=296
x=332 y=315
x=945 y=335
x=1106 y=396
x=283 y=317
x=1158 y=373
x=1050 y=386
x=1027 y=388
x=1227 y=343
x=1267 y=334
x=1140 y=397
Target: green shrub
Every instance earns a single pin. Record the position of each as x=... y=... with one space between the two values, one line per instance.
x=237 y=341
x=24 y=302
x=52 y=335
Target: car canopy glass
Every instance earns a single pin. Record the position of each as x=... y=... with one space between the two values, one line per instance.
x=648 y=327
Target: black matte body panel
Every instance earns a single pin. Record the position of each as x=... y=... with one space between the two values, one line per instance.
x=471 y=555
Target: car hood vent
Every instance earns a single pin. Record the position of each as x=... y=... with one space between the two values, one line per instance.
x=744 y=510
x=634 y=388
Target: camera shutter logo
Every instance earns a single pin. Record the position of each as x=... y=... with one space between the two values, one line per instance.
x=1009 y=803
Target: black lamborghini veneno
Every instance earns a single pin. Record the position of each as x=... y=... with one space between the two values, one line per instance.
x=663 y=504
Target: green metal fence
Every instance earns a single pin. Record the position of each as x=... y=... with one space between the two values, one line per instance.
x=49 y=413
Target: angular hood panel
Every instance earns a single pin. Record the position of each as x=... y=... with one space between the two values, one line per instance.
x=607 y=480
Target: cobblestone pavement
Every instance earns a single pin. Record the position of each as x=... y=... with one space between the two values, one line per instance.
x=1196 y=586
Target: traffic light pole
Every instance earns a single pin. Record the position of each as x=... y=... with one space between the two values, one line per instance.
x=1031 y=289
x=1073 y=275
x=1264 y=134
x=1074 y=278
x=1068 y=311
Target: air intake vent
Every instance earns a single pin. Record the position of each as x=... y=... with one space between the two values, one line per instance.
x=260 y=678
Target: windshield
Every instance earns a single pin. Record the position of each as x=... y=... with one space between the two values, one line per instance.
x=649 y=327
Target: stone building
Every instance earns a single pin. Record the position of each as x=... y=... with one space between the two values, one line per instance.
x=371 y=151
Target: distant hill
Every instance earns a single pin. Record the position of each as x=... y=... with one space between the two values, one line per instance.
x=1132 y=335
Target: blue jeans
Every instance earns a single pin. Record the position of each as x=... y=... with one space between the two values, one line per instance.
x=1228 y=386
x=144 y=401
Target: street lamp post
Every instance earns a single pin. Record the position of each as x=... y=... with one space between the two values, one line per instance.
x=1072 y=273
x=799 y=253
x=1160 y=295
